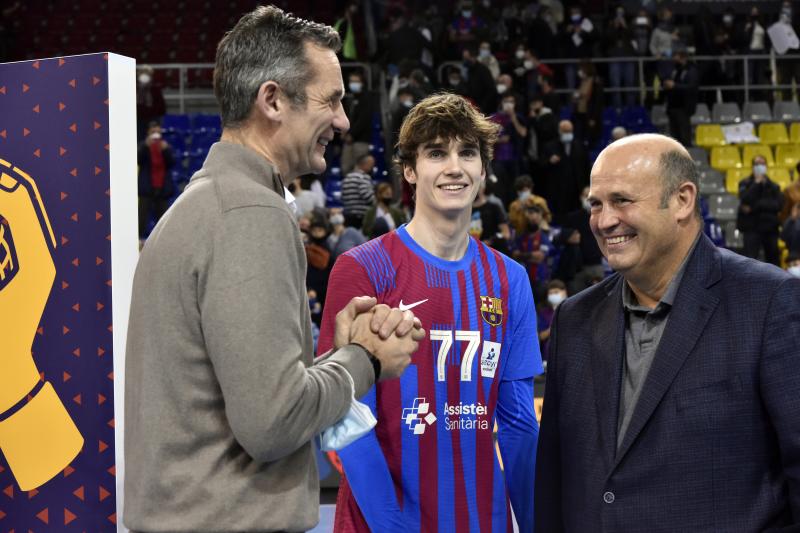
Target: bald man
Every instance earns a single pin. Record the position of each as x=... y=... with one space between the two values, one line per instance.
x=673 y=386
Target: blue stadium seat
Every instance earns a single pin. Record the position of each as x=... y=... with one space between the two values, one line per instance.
x=204 y=122
x=176 y=123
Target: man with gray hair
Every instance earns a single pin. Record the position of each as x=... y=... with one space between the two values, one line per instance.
x=672 y=386
x=222 y=395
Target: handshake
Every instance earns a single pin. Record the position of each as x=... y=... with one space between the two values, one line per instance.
x=391 y=335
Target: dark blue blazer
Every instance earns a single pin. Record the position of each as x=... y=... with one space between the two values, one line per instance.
x=714 y=442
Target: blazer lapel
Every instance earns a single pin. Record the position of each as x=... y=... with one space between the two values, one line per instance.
x=691 y=310
x=608 y=337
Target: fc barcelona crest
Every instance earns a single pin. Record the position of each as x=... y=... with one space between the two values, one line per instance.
x=492 y=310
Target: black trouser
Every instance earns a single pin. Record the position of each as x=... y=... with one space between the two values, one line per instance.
x=148 y=205
x=680 y=126
x=755 y=240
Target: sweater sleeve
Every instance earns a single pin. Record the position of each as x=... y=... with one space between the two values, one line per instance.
x=255 y=323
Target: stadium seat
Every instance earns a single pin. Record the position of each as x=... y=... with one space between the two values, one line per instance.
x=699 y=154
x=176 y=123
x=723 y=207
x=711 y=182
x=773 y=133
x=206 y=122
x=701 y=115
x=725 y=157
x=751 y=150
x=708 y=135
x=757 y=112
x=787 y=155
x=733 y=237
x=636 y=119
x=794 y=133
x=726 y=113
x=732 y=178
x=787 y=111
x=658 y=116
x=780 y=175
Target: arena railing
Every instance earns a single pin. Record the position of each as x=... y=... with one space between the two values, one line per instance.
x=206 y=96
x=743 y=64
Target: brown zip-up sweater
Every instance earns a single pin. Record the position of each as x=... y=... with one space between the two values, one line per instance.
x=222 y=396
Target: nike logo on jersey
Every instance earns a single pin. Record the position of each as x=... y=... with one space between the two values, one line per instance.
x=404 y=307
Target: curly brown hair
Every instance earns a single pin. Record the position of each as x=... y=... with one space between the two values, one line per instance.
x=444 y=116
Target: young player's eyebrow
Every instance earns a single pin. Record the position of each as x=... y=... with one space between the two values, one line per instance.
x=433 y=145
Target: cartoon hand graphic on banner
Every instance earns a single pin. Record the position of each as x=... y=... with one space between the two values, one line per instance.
x=37 y=436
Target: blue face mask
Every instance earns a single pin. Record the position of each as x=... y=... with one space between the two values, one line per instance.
x=357 y=422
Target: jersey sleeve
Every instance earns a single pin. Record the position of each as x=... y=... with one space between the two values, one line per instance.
x=363 y=461
x=517 y=434
x=524 y=358
x=347 y=280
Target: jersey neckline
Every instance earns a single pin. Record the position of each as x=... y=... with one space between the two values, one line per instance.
x=438 y=262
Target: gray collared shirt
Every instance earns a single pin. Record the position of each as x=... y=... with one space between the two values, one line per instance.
x=643 y=330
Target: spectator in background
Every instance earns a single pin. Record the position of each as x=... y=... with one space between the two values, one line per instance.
x=542 y=128
x=681 y=92
x=306 y=199
x=556 y=293
x=489 y=223
x=619 y=41
x=360 y=105
x=480 y=85
x=155 y=160
x=509 y=149
x=318 y=255
x=756 y=42
x=791 y=231
x=590 y=268
x=760 y=201
x=150 y=105
x=664 y=40
x=641 y=28
x=791 y=195
x=488 y=59
x=357 y=191
x=577 y=42
x=528 y=73
x=342 y=237
x=523 y=185
x=505 y=85
x=788 y=68
x=550 y=99
x=383 y=209
x=566 y=172
x=351 y=32
x=467 y=28
x=589 y=104
x=542 y=34
x=404 y=42
x=455 y=82
x=405 y=101
x=532 y=247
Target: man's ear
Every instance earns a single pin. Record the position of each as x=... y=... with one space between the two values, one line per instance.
x=409 y=174
x=270 y=101
x=686 y=197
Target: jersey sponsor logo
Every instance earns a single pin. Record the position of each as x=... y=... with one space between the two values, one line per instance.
x=465 y=416
x=419 y=416
x=406 y=307
x=490 y=358
x=492 y=310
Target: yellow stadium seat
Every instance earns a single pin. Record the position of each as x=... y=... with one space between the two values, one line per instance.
x=787 y=155
x=725 y=157
x=732 y=178
x=708 y=135
x=780 y=176
x=794 y=132
x=773 y=133
x=751 y=150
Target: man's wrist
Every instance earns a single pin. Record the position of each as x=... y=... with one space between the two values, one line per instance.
x=376 y=363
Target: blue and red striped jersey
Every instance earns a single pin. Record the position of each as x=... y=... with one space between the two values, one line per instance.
x=430 y=463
